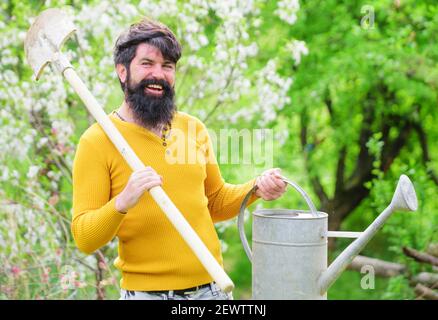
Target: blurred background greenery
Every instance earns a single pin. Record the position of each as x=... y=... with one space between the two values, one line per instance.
x=349 y=89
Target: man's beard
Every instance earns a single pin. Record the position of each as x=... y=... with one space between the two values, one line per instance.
x=151 y=111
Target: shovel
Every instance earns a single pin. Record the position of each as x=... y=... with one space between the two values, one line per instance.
x=43 y=45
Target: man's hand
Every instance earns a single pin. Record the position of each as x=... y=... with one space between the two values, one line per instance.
x=139 y=182
x=270 y=186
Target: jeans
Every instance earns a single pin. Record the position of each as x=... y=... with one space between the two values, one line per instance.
x=212 y=292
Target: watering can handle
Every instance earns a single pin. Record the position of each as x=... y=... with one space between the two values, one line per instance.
x=241 y=220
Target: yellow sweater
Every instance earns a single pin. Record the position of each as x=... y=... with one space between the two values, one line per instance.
x=152 y=255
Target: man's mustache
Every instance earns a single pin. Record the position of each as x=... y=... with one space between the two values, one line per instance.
x=147 y=82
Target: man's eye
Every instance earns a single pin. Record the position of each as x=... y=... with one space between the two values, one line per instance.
x=168 y=66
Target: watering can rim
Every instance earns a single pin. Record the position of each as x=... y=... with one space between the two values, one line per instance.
x=273 y=213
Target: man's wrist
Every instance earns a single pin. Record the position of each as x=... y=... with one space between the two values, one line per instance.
x=119 y=205
x=255 y=188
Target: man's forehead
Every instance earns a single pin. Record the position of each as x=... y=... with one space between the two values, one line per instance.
x=147 y=51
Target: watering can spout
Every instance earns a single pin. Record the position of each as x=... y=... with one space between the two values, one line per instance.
x=404 y=198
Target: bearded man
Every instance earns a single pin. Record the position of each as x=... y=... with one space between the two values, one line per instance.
x=109 y=200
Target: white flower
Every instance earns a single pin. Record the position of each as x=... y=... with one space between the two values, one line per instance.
x=257 y=22
x=33 y=171
x=5 y=174
x=28 y=139
x=221 y=55
x=203 y=40
x=51 y=174
x=287 y=10
x=297 y=49
x=42 y=142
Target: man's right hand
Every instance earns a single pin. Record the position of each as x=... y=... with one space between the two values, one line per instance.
x=139 y=182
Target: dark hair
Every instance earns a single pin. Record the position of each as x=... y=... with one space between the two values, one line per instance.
x=150 y=32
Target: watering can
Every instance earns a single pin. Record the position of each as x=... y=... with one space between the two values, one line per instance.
x=289 y=247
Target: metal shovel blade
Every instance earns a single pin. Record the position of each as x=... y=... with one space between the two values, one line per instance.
x=45 y=37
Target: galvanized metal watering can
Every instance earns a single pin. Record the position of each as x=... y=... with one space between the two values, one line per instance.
x=289 y=247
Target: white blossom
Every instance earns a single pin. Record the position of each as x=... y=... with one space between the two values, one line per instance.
x=297 y=49
x=287 y=10
x=33 y=171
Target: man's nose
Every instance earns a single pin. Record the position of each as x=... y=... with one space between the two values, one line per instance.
x=157 y=72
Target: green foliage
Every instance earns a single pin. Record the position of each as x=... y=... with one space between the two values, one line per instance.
x=348 y=287
x=398 y=288
x=386 y=73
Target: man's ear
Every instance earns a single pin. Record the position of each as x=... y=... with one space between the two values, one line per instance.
x=121 y=72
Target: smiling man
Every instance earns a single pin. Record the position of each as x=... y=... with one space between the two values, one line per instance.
x=109 y=200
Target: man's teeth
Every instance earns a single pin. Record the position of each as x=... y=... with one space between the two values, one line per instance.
x=155 y=86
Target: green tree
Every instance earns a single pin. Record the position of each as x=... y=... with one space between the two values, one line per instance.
x=365 y=97
x=365 y=109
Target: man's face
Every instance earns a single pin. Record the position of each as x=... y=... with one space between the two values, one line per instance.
x=149 y=91
x=149 y=63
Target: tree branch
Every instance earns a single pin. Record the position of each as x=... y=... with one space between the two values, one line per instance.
x=314 y=179
x=340 y=171
x=329 y=104
x=58 y=160
x=425 y=148
x=219 y=102
x=426 y=278
x=364 y=162
x=381 y=268
x=432 y=249
x=420 y=256
x=100 y=260
x=424 y=283
x=391 y=149
x=425 y=292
